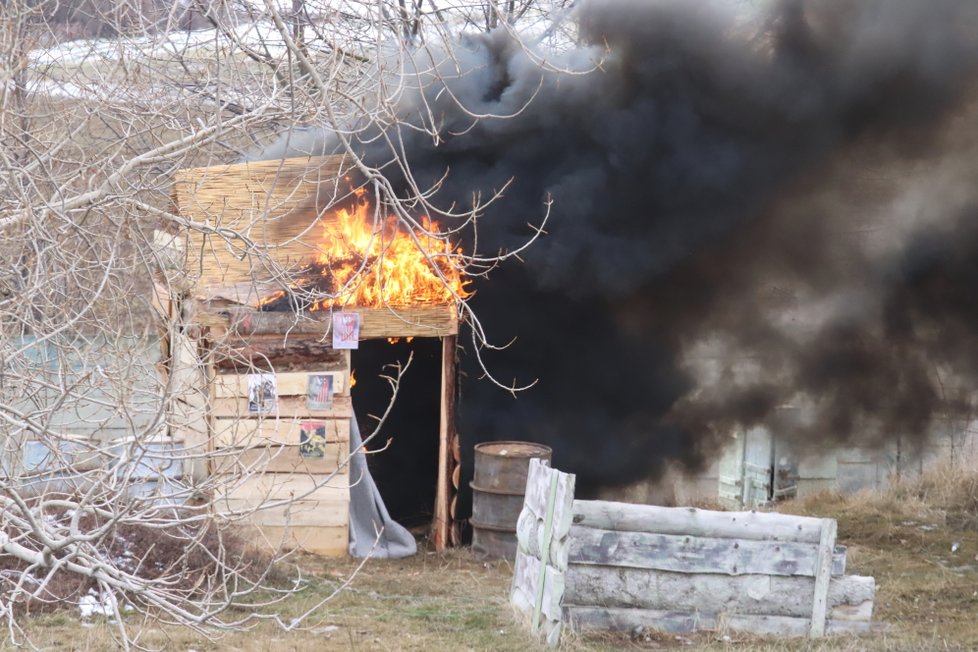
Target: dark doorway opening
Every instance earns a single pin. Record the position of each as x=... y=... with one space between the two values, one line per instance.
x=403 y=456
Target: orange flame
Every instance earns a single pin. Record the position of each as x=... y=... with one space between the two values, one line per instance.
x=373 y=261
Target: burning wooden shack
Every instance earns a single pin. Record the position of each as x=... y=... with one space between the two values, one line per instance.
x=288 y=266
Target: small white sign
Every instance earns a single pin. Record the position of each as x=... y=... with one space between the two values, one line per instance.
x=346 y=330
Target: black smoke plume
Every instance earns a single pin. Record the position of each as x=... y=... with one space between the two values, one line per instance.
x=751 y=208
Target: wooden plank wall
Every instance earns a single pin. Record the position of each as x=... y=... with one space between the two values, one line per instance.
x=303 y=497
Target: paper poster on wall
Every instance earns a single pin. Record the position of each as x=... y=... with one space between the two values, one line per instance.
x=312 y=439
x=346 y=330
x=262 y=393
x=319 y=395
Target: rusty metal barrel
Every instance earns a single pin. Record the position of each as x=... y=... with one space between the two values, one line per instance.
x=498 y=486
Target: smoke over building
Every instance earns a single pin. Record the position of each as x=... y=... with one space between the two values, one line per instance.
x=750 y=208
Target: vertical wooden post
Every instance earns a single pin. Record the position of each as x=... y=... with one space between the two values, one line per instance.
x=823 y=574
x=444 y=493
x=208 y=343
x=189 y=403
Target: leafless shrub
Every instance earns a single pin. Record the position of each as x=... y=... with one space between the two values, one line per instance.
x=99 y=105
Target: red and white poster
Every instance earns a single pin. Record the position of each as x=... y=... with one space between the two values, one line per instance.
x=346 y=330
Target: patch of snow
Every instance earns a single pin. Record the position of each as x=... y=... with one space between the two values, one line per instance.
x=325 y=630
x=175 y=43
x=95 y=604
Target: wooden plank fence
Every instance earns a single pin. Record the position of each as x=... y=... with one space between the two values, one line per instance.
x=619 y=566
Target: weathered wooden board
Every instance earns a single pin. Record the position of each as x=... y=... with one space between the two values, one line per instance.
x=537 y=495
x=680 y=622
x=327 y=541
x=170 y=253
x=187 y=409
x=526 y=592
x=185 y=416
x=850 y=595
x=293 y=383
x=188 y=376
x=823 y=571
x=188 y=423
x=283 y=430
x=531 y=526
x=269 y=487
x=437 y=320
x=298 y=513
x=279 y=459
x=275 y=205
x=541 y=557
x=690 y=521
x=529 y=540
x=695 y=554
x=526 y=579
x=288 y=407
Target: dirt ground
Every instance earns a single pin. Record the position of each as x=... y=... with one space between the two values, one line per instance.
x=927 y=597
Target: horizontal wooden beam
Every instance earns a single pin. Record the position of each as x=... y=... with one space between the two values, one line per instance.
x=278 y=352
x=849 y=596
x=690 y=521
x=696 y=554
x=298 y=513
x=287 y=407
x=326 y=541
x=683 y=622
x=290 y=383
x=233 y=432
x=375 y=323
x=270 y=488
x=279 y=458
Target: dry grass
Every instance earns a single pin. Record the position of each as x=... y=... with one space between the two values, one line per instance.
x=928 y=595
x=920 y=541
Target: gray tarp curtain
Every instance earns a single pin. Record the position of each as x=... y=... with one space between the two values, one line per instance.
x=368 y=514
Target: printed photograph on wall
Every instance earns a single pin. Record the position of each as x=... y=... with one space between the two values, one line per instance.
x=312 y=439
x=319 y=395
x=262 y=393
